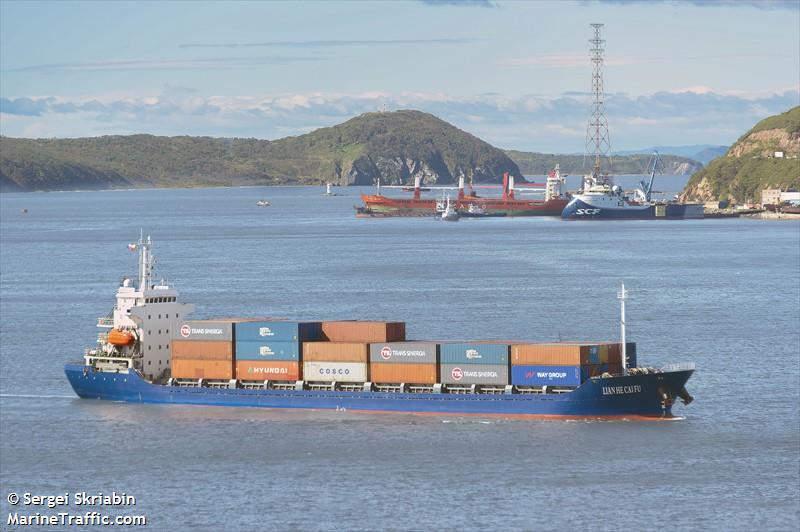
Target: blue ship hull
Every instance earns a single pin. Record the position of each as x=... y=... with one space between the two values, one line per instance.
x=578 y=209
x=630 y=397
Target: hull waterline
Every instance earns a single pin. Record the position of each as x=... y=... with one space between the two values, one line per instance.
x=629 y=397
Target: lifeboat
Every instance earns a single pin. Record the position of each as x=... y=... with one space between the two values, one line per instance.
x=120 y=337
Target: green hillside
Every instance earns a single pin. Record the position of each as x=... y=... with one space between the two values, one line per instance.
x=751 y=165
x=394 y=147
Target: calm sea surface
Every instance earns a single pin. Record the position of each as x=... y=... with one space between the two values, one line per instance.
x=721 y=293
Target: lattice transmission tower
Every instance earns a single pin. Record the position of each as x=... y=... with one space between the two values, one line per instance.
x=598 y=141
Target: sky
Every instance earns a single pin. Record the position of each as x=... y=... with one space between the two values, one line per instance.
x=514 y=73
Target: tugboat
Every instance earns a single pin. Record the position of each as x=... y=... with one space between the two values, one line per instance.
x=600 y=199
x=450 y=214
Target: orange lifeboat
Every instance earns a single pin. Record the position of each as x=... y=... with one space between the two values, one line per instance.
x=120 y=337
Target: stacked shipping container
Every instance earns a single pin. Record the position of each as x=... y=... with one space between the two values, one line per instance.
x=562 y=364
x=404 y=362
x=357 y=351
x=474 y=363
x=272 y=350
x=335 y=361
x=364 y=331
x=203 y=349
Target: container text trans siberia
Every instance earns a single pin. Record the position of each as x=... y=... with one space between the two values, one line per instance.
x=149 y=352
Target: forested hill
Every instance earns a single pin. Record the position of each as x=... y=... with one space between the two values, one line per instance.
x=395 y=146
x=751 y=164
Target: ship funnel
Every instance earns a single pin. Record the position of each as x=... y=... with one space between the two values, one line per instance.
x=461 y=187
x=511 y=187
x=417 y=182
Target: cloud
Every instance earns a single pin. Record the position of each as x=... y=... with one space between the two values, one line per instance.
x=530 y=122
x=760 y=4
x=167 y=64
x=332 y=43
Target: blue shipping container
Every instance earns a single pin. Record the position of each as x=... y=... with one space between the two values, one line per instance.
x=287 y=351
x=278 y=331
x=546 y=375
x=473 y=353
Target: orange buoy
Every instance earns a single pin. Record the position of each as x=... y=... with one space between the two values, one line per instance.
x=120 y=337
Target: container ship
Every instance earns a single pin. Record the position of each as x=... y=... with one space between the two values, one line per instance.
x=149 y=352
x=553 y=203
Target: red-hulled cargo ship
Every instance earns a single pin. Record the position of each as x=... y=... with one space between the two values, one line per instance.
x=553 y=203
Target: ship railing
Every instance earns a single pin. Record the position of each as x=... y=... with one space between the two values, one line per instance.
x=679 y=366
x=285 y=385
x=321 y=386
x=390 y=388
x=186 y=383
x=460 y=389
x=353 y=386
x=421 y=388
x=254 y=385
x=528 y=390
x=105 y=321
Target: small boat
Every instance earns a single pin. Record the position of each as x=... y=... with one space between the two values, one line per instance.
x=263 y=203
x=328 y=191
x=478 y=211
x=450 y=214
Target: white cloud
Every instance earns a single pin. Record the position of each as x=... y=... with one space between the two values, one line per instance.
x=532 y=122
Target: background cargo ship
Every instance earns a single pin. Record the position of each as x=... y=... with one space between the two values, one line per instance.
x=354 y=365
x=509 y=204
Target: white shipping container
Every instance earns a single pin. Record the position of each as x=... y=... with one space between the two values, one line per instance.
x=335 y=371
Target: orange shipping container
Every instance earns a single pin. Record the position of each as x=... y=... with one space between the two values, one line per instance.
x=274 y=370
x=202 y=369
x=385 y=373
x=558 y=354
x=364 y=331
x=335 y=352
x=202 y=350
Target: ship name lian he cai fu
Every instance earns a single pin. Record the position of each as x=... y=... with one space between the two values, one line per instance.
x=149 y=351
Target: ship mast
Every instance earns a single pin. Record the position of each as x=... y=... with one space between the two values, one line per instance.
x=145 y=262
x=598 y=141
x=622 y=295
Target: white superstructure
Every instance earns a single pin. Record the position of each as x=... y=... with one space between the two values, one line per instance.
x=147 y=310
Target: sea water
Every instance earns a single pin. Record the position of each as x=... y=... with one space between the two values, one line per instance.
x=722 y=293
